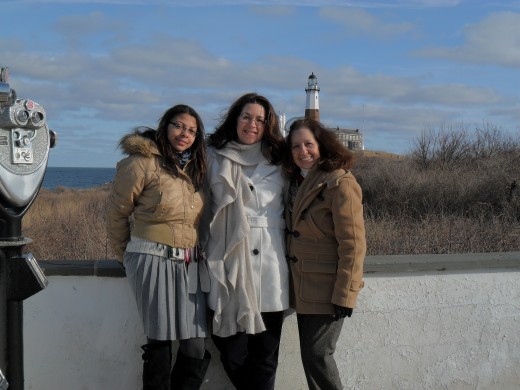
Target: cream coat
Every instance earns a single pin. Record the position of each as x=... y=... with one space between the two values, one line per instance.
x=165 y=209
x=326 y=249
x=244 y=232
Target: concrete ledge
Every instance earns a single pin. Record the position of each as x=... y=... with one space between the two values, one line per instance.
x=17 y=242
x=430 y=322
x=105 y=268
x=373 y=264
x=441 y=262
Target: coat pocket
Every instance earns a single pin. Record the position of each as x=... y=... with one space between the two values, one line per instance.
x=318 y=279
x=313 y=227
x=356 y=286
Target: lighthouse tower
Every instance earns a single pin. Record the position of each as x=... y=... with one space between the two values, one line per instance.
x=312 y=104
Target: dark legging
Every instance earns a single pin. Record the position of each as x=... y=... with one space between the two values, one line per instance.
x=250 y=360
x=319 y=335
x=193 y=348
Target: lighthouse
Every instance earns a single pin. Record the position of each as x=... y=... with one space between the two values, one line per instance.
x=312 y=104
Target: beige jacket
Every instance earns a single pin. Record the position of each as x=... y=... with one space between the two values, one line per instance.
x=165 y=209
x=326 y=244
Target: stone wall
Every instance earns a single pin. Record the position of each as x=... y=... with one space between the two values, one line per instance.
x=422 y=322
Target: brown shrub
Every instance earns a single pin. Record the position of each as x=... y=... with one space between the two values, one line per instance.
x=441 y=235
x=456 y=192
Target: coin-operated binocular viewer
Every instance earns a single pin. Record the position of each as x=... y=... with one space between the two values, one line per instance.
x=25 y=140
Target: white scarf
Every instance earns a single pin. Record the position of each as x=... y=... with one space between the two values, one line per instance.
x=229 y=258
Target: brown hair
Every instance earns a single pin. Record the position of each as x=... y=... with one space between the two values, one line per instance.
x=333 y=154
x=272 y=141
x=196 y=169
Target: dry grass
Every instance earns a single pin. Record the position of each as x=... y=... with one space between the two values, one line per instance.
x=427 y=202
x=68 y=224
x=441 y=234
x=456 y=192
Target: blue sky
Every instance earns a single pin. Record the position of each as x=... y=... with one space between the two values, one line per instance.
x=389 y=68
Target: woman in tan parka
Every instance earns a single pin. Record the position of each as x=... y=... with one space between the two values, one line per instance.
x=152 y=218
x=325 y=244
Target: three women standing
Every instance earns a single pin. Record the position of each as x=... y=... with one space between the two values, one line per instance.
x=243 y=235
x=152 y=219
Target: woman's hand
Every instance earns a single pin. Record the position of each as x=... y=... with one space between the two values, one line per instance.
x=342 y=312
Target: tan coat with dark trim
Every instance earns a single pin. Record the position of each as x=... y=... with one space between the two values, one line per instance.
x=326 y=249
x=166 y=209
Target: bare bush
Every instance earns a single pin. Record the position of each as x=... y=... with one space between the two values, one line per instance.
x=456 y=174
x=450 y=146
x=441 y=234
x=441 y=147
x=456 y=192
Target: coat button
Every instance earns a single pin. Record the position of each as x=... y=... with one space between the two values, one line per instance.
x=296 y=234
x=256 y=251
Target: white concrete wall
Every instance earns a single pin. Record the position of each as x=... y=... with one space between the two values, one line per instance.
x=411 y=330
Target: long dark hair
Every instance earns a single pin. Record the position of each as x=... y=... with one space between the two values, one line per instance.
x=196 y=169
x=333 y=154
x=272 y=140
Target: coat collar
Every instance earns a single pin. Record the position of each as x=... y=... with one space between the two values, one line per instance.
x=315 y=182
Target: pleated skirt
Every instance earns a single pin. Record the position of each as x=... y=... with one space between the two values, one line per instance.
x=160 y=285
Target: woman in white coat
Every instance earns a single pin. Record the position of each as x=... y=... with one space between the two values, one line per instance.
x=244 y=234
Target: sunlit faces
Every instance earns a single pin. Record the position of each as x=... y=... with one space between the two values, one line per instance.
x=181 y=130
x=304 y=148
x=251 y=124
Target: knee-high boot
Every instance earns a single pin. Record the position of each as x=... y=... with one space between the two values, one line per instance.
x=157 y=359
x=188 y=373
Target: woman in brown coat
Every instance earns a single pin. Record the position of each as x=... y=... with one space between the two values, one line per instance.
x=326 y=244
x=153 y=216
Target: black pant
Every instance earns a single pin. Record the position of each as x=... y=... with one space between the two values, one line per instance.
x=319 y=335
x=250 y=360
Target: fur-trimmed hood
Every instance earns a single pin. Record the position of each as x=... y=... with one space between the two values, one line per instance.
x=135 y=143
x=166 y=208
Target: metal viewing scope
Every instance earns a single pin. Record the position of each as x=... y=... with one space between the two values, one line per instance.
x=25 y=140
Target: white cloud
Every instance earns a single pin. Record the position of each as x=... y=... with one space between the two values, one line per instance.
x=100 y=74
x=454 y=95
x=359 y=22
x=494 y=40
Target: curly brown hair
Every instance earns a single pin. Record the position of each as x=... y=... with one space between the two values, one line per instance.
x=272 y=141
x=333 y=154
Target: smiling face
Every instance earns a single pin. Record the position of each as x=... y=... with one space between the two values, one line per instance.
x=251 y=124
x=304 y=148
x=180 y=131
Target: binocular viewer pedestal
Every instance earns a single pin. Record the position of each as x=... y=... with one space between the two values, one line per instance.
x=25 y=140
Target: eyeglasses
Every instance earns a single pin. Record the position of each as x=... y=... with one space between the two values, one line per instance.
x=246 y=118
x=182 y=127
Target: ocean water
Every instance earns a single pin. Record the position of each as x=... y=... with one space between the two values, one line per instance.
x=77 y=177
